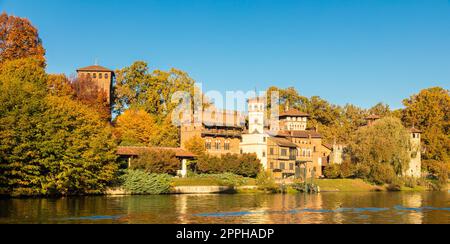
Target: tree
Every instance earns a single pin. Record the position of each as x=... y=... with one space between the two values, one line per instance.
x=19 y=39
x=135 y=127
x=429 y=111
x=384 y=147
x=137 y=87
x=196 y=145
x=60 y=85
x=381 y=110
x=157 y=162
x=48 y=144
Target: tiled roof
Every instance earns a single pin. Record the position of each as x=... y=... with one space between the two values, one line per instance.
x=300 y=134
x=294 y=113
x=329 y=146
x=136 y=151
x=414 y=130
x=283 y=142
x=95 y=68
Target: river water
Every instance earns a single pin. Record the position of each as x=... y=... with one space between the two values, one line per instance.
x=324 y=208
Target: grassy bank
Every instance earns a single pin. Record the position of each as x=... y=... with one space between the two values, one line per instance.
x=213 y=180
x=346 y=185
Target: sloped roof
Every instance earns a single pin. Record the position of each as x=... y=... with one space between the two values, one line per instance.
x=95 y=68
x=414 y=130
x=283 y=142
x=293 y=113
x=300 y=134
x=136 y=151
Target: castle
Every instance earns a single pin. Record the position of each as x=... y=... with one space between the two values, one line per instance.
x=284 y=145
x=287 y=148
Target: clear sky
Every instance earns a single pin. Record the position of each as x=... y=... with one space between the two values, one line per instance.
x=361 y=52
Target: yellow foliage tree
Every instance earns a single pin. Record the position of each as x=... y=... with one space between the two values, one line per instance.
x=135 y=127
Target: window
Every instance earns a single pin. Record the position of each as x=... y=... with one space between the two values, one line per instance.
x=242 y=151
x=88 y=75
x=100 y=76
x=291 y=166
x=106 y=76
x=282 y=166
x=94 y=75
x=264 y=139
x=271 y=151
x=208 y=145
x=217 y=146
x=271 y=165
x=315 y=149
x=264 y=154
x=283 y=152
x=227 y=146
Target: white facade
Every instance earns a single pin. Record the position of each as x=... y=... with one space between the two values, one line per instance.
x=256 y=110
x=256 y=139
x=256 y=143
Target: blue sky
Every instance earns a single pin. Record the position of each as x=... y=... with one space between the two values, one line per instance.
x=360 y=52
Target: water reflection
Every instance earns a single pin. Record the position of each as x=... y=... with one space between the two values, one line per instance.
x=338 y=208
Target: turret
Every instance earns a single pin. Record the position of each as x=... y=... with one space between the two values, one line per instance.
x=256 y=109
x=415 y=165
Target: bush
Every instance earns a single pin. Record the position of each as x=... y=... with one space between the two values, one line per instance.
x=333 y=171
x=266 y=182
x=157 y=162
x=247 y=165
x=382 y=173
x=139 y=182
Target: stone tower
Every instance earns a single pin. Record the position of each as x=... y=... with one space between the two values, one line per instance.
x=415 y=165
x=256 y=109
x=102 y=76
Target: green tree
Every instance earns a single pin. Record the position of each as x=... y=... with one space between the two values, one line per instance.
x=384 y=147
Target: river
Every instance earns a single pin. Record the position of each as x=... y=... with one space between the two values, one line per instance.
x=324 y=208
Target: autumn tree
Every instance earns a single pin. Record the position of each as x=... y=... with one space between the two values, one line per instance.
x=19 y=39
x=135 y=127
x=49 y=145
x=157 y=161
x=89 y=93
x=429 y=111
x=383 y=147
x=196 y=145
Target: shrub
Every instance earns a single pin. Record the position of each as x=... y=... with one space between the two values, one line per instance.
x=247 y=165
x=266 y=182
x=333 y=171
x=382 y=173
x=139 y=182
x=157 y=162
x=362 y=171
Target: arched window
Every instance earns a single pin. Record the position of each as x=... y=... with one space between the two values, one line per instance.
x=227 y=145
x=106 y=76
x=94 y=75
x=100 y=76
x=217 y=146
x=88 y=75
x=208 y=144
